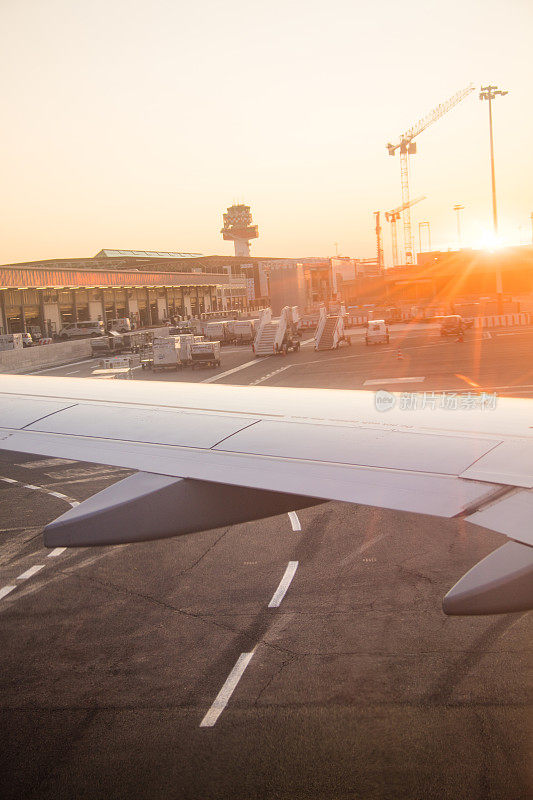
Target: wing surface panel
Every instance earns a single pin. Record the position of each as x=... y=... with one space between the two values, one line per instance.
x=149 y=425
x=424 y=493
x=361 y=446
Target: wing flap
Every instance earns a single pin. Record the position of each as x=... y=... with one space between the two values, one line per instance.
x=511 y=515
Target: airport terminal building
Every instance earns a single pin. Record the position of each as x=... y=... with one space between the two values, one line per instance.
x=146 y=286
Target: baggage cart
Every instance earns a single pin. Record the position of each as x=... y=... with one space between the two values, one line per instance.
x=205 y=354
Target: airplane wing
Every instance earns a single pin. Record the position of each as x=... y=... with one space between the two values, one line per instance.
x=211 y=455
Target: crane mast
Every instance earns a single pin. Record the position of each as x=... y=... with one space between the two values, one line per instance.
x=407 y=147
x=393 y=216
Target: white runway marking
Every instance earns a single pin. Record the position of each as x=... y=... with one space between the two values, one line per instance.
x=270 y=374
x=5 y=590
x=30 y=572
x=279 y=594
x=380 y=381
x=56 y=552
x=227 y=690
x=61 y=496
x=214 y=378
x=74 y=372
x=295 y=522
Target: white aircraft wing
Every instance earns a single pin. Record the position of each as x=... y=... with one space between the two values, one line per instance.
x=210 y=455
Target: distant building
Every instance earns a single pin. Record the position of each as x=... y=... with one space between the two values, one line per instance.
x=287 y=287
x=146 y=286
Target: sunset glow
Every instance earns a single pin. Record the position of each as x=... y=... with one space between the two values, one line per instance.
x=136 y=125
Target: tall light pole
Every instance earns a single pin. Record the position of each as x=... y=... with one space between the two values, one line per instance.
x=489 y=93
x=458 y=208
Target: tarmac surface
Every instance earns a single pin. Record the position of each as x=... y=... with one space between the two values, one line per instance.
x=302 y=656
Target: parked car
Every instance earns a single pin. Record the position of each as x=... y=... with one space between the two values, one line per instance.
x=122 y=325
x=73 y=330
x=454 y=325
x=377 y=332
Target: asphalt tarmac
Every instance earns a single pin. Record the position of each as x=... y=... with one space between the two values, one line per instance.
x=303 y=656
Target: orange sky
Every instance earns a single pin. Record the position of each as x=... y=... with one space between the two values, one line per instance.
x=135 y=124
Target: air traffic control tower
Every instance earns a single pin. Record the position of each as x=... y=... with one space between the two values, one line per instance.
x=239 y=228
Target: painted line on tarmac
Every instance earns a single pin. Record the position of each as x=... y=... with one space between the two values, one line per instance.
x=47 y=462
x=5 y=590
x=295 y=522
x=222 y=698
x=513 y=333
x=228 y=372
x=270 y=374
x=59 y=495
x=371 y=543
x=379 y=381
x=74 y=372
x=62 y=366
x=30 y=572
x=57 y=551
x=285 y=582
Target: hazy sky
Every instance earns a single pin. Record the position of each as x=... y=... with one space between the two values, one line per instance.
x=135 y=124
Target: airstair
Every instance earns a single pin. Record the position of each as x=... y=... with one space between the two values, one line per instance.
x=271 y=335
x=330 y=331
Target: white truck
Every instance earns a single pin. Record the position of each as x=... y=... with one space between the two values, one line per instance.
x=166 y=353
x=205 y=354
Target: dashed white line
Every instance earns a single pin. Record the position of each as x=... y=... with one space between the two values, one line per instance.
x=270 y=374
x=295 y=522
x=56 y=552
x=5 y=590
x=380 y=381
x=59 y=495
x=214 y=378
x=30 y=572
x=74 y=372
x=227 y=690
x=285 y=582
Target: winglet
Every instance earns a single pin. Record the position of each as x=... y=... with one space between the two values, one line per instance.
x=501 y=583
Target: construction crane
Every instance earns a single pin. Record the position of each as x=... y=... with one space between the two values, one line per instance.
x=393 y=217
x=407 y=147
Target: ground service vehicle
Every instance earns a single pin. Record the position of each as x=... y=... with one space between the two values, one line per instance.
x=220 y=331
x=243 y=331
x=377 y=332
x=205 y=354
x=454 y=325
x=90 y=327
x=166 y=353
x=111 y=343
x=122 y=325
